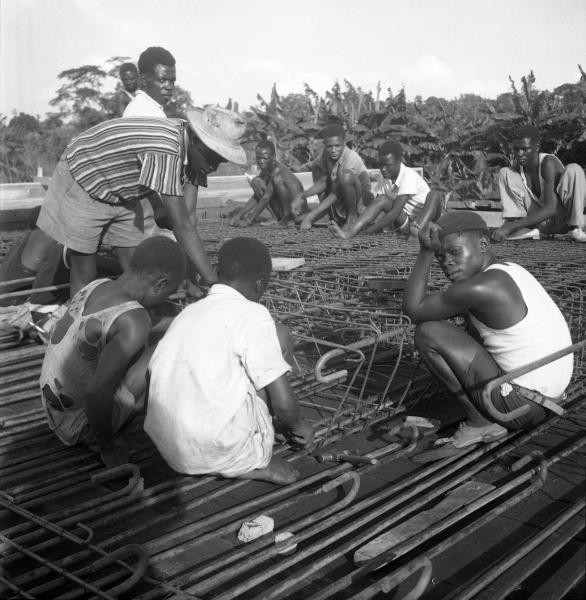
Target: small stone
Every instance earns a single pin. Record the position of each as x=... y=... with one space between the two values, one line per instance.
x=281 y=540
x=251 y=530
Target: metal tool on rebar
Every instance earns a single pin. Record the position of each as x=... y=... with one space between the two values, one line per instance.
x=349 y=456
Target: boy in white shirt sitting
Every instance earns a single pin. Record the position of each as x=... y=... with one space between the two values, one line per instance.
x=401 y=193
x=218 y=377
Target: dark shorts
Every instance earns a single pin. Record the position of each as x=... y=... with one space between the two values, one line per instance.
x=476 y=381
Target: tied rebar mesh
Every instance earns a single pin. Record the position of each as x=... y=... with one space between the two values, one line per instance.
x=355 y=368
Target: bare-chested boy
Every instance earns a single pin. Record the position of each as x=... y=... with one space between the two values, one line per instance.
x=401 y=194
x=275 y=188
x=539 y=194
x=219 y=376
x=512 y=321
x=93 y=377
x=341 y=182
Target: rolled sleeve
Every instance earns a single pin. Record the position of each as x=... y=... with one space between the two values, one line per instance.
x=263 y=359
x=162 y=173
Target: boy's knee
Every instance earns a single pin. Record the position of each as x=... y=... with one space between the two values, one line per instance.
x=346 y=177
x=258 y=185
x=428 y=333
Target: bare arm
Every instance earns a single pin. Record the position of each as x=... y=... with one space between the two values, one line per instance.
x=127 y=338
x=312 y=216
x=188 y=237
x=190 y=193
x=262 y=203
x=285 y=408
x=398 y=202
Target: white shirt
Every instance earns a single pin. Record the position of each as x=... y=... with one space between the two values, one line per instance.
x=142 y=105
x=410 y=183
x=217 y=353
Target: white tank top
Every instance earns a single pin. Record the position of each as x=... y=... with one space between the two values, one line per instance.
x=542 y=331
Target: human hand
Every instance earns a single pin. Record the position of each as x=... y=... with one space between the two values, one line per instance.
x=302 y=434
x=500 y=234
x=429 y=237
x=297 y=204
x=115 y=453
x=305 y=224
x=192 y=291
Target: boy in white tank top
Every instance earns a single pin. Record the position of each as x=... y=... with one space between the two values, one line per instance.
x=539 y=194
x=504 y=305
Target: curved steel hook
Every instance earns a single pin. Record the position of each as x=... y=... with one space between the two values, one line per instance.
x=499 y=416
x=119 y=471
x=341 y=374
x=137 y=572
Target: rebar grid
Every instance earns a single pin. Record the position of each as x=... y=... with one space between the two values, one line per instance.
x=343 y=307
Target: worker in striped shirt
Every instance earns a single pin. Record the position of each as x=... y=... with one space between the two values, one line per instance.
x=94 y=194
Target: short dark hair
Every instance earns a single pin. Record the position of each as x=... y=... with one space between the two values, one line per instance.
x=155 y=55
x=526 y=131
x=159 y=254
x=391 y=147
x=266 y=145
x=127 y=66
x=332 y=130
x=244 y=258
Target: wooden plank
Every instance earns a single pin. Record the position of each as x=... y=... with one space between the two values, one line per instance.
x=461 y=496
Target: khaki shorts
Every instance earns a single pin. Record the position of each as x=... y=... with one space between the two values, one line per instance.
x=73 y=218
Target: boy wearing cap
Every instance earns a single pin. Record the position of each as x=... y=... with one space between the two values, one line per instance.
x=341 y=181
x=219 y=376
x=275 y=188
x=105 y=171
x=401 y=194
x=504 y=306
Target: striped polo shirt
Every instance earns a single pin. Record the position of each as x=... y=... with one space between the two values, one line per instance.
x=122 y=160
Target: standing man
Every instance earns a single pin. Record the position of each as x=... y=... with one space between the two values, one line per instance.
x=156 y=67
x=129 y=79
x=539 y=194
x=511 y=321
x=95 y=192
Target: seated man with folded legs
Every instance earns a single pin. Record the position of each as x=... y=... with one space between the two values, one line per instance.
x=403 y=200
x=274 y=188
x=218 y=378
x=539 y=195
x=341 y=182
x=93 y=377
x=512 y=321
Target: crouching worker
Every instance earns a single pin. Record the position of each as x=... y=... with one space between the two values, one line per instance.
x=511 y=319
x=341 y=181
x=274 y=188
x=219 y=374
x=93 y=378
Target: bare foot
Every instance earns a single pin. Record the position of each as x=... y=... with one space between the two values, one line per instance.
x=305 y=224
x=337 y=231
x=277 y=471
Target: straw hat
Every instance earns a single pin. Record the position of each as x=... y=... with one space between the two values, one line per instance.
x=220 y=130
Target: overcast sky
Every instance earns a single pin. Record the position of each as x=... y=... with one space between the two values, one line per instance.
x=238 y=48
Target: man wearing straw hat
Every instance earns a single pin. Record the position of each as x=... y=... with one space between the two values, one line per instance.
x=95 y=190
